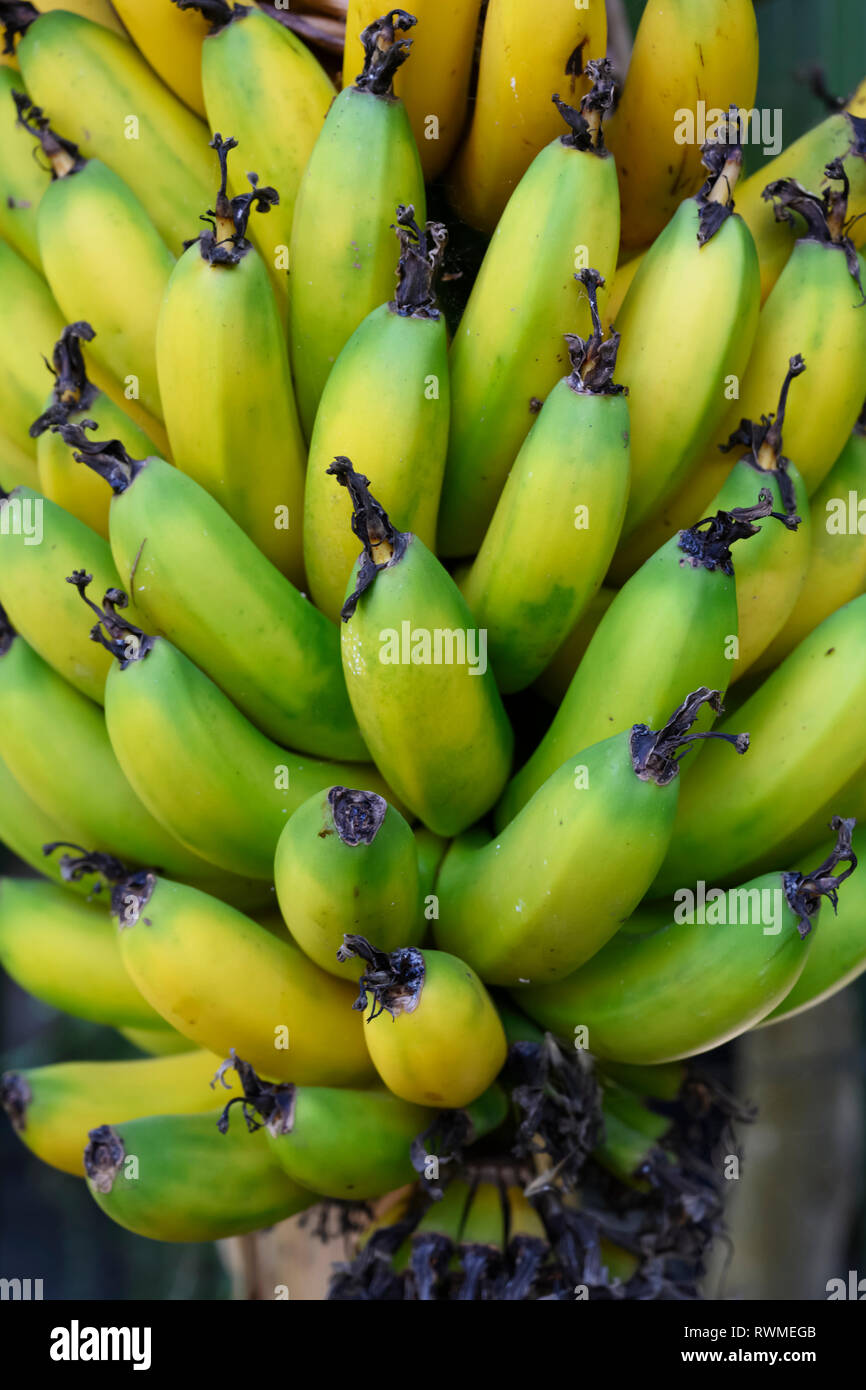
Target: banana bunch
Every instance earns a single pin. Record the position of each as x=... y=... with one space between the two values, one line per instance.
x=304 y=499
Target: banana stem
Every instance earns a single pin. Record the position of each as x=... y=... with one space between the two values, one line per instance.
x=593 y=361
x=15 y=1098
x=383 y=543
x=226 y=243
x=586 y=123
x=107 y=458
x=384 y=52
x=825 y=215
x=73 y=391
x=263 y=1103
x=16 y=18
x=64 y=156
x=121 y=638
x=419 y=267
x=711 y=549
x=219 y=12
x=653 y=754
x=358 y=815
x=395 y=981
x=805 y=891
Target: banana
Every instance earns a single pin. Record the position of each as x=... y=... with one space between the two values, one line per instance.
x=806 y=723
x=610 y=809
x=204 y=584
x=165 y=717
x=66 y=953
x=557 y=675
x=346 y=860
x=564 y=499
x=161 y=1041
x=690 y=317
x=16 y=16
x=171 y=42
x=431 y=851
x=25 y=828
x=17 y=466
x=75 y=398
x=52 y=1108
x=837 y=956
x=414 y=659
x=836 y=571
x=399 y=353
x=263 y=84
x=22 y=180
x=102 y=258
x=176 y=1178
x=225 y=381
x=690 y=57
x=682 y=603
x=525 y=56
x=770 y=574
x=345 y=1144
x=671 y=985
x=102 y=93
x=364 y=163
x=223 y=981
x=31 y=323
x=508 y=351
x=39 y=544
x=820 y=285
x=443 y=1043
x=56 y=746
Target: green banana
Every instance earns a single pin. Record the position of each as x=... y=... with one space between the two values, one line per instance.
x=164 y=719
x=31 y=322
x=258 y=79
x=66 y=953
x=52 y=1108
x=689 y=318
x=22 y=181
x=564 y=501
x=75 y=398
x=225 y=382
x=56 y=746
x=414 y=659
x=399 y=355
x=443 y=1043
x=806 y=722
x=507 y=353
x=199 y=580
x=223 y=981
x=39 y=543
x=683 y=603
x=176 y=1178
x=771 y=572
x=836 y=571
x=559 y=672
x=364 y=163
x=838 y=953
x=346 y=860
x=346 y=1144
x=670 y=985
x=110 y=102
x=25 y=828
x=611 y=810
x=102 y=256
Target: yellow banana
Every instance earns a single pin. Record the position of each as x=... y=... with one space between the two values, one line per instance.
x=266 y=87
x=22 y=180
x=434 y=87
x=52 y=1108
x=836 y=571
x=25 y=828
x=17 y=466
x=526 y=55
x=565 y=499
x=692 y=59
x=102 y=93
x=363 y=165
x=399 y=353
x=171 y=42
x=508 y=351
x=176 y=1178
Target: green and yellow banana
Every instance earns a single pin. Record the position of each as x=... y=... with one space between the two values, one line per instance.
x=225 y=382
x=442 y=1043
x=564 y=500
x=223 y=981
x=66 y=953
x=363 y=165
x=386 y=405
x=414 y=660
x=673 y=983
x=205 y=585
x=689 y=318
x=165 y=718
x=836 y=570
x=347 y=861
x=806 y=722
x=22 y=180
x=52 y=1108
x=31 y=323
x=672 y=626
x=508 y=350
x=161 y=1041
x=510 y=907
x=176 y=1178
x=692 y=59
x=102 y=93
x=559 y=672
x=25 y=828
